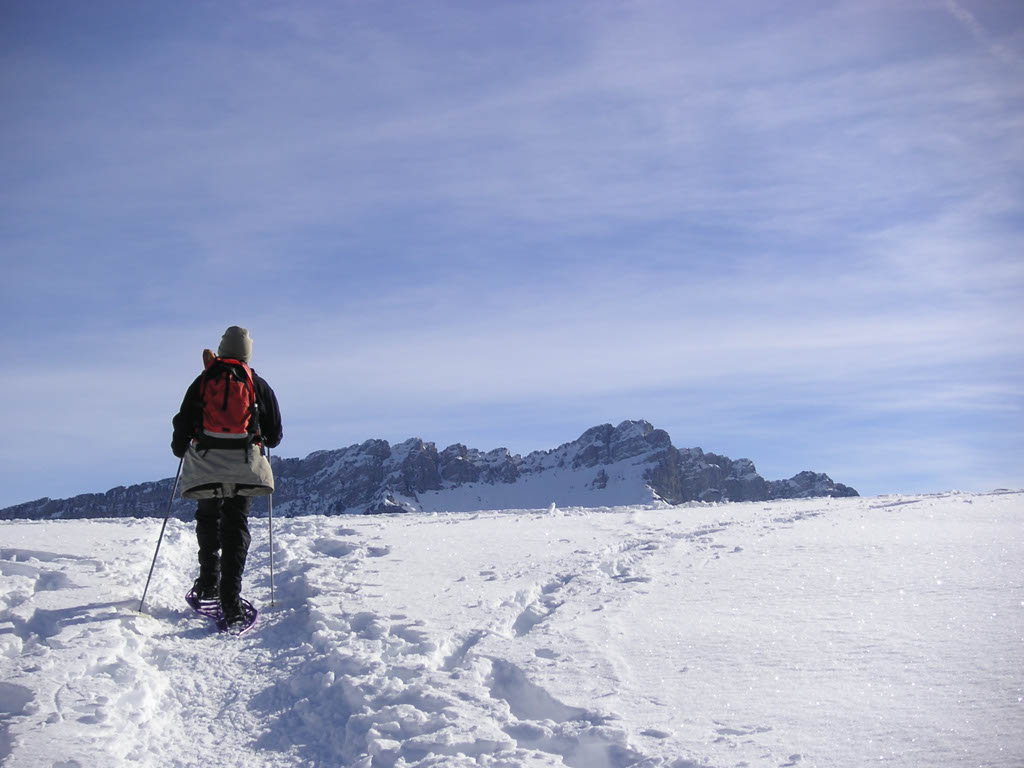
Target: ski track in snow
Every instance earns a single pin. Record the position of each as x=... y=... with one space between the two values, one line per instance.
x=392 y=643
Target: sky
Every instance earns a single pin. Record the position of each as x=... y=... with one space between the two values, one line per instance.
x=791 y=232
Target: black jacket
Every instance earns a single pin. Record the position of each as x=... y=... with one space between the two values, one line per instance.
x=188 y=422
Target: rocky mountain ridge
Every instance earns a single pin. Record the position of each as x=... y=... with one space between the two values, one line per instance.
x=632 y=463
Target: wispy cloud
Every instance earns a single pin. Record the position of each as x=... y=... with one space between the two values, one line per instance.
x=1000 y=51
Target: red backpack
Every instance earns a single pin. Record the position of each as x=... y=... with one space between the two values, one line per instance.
x=229 y=399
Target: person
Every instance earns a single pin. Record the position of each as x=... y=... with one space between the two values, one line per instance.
x=224 y=466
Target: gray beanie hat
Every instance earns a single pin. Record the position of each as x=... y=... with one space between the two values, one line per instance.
x=235 y=344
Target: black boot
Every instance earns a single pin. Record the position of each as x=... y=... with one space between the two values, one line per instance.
x=207 y=586
x=233 y=612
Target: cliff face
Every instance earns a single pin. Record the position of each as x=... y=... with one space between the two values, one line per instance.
x=633 y=463
x=693 y=475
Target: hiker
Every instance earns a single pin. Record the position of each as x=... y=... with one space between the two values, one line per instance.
x=227 y=417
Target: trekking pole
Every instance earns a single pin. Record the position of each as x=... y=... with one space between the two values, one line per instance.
x=174 y=490
x=270 y=517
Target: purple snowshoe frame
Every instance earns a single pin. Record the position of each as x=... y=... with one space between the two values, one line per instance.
x=211 y=609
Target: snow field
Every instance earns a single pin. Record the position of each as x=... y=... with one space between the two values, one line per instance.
x=811 y=633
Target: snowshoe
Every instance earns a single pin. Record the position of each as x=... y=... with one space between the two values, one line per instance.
x=203 y=603
x=239 y=618
x=237 y=622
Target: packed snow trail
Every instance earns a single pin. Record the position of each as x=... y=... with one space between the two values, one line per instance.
x=815 y=632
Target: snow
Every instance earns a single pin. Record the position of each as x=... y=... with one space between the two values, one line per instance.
x=625 y=484
x=812 y=632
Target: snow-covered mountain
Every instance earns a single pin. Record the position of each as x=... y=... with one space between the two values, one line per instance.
x=633 y=463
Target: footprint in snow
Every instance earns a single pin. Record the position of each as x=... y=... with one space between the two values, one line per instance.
x=333 y=548
x=655 y=734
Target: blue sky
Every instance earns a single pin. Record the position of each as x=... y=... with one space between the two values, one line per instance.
x=791 y=233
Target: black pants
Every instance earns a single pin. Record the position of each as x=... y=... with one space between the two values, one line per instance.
x=222 y=526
